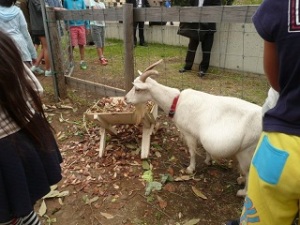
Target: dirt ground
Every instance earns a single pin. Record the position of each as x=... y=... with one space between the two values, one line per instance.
x=112 y=190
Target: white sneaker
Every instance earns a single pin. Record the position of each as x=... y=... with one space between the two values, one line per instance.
x=48 y=73
x=36 y=69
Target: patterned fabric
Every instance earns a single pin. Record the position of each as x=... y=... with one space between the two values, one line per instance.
x=273 y=188
x=7 y=126
x=31 y=219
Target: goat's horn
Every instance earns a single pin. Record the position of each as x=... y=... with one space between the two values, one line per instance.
x=153 y=65
x=146 y=74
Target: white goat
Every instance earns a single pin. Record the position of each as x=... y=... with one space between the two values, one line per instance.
x=225 y=126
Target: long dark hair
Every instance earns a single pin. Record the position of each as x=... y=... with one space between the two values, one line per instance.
x=7 y=3
x=16 y=90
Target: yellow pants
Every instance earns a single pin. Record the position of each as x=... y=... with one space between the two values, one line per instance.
x=274 y=181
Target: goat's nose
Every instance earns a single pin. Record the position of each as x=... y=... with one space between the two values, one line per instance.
x=125 y=99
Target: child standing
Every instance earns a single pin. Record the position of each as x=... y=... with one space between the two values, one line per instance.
x=13 y=22
x=273 y=186
x=78 y=29
x=29 y=155
x=98 y=32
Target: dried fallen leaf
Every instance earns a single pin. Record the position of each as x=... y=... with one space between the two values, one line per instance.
x=183 y=178
x=42 y=209
x=157 y=154
x=60 y=201
x=192 y=222
x=56 y=194
x=170 y=187
x=66 y=107
x=107 y=215
x=179 y=215
x=198 y=193
x=93 y=200
x=145 y=165
x=162 y=203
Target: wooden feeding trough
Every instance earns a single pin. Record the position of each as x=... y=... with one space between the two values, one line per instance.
x=113 y=111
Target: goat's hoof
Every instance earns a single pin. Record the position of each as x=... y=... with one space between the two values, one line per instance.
x=207 y=162
x=189 y=170
x=241 y=193
x=241 y=180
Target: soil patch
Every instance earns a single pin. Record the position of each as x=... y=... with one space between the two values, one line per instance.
x=113 y=191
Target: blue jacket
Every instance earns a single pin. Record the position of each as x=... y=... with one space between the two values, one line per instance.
x=76 y=5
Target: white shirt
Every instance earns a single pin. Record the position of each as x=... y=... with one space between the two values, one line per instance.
x=139 y=3
x=97 y=5
x=200 y=4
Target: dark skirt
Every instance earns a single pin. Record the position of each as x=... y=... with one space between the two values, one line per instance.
x=26 y=172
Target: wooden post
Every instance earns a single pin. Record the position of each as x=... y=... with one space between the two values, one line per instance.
x=128 y=45
x=55 y=53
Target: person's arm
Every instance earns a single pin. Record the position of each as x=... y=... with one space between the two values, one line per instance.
x=34 y=81
x=271 y=64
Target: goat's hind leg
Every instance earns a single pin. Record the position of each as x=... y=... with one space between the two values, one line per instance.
x=192 y=145
x=244 y=158
x=208 y=159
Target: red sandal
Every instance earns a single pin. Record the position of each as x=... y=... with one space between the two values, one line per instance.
x=103 y=61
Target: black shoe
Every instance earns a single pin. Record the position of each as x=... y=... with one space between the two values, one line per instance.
x=143 y=44
x=201 y=73
x=233 y=222
x=183 y=70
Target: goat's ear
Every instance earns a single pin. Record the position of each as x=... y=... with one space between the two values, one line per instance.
x=140 y=86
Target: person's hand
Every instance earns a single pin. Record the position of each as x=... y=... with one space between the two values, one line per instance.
x=33 y=61
x=87 y=31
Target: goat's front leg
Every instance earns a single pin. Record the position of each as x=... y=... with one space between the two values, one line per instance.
x=192 y=145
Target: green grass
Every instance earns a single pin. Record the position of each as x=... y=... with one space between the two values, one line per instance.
x=247 y=2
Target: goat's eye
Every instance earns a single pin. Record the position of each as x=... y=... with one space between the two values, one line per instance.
x=137 y=89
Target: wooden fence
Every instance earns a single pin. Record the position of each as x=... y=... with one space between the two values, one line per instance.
x=126 y=14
